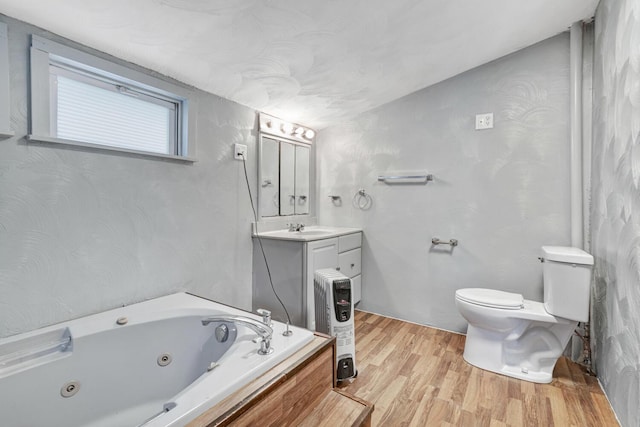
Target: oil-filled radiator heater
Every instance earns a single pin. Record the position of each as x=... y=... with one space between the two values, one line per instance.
x=334 y=316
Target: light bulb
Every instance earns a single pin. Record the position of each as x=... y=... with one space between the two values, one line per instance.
x=286 y=128
x=309 y=134
x=299 y=131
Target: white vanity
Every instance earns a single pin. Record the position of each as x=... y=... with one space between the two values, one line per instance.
x=293 y=257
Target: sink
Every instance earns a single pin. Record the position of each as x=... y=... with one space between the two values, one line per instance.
x=313 y=232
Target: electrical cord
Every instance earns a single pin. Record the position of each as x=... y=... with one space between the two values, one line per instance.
x=255 y=215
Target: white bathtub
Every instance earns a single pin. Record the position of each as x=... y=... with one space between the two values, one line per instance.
x=115 y=370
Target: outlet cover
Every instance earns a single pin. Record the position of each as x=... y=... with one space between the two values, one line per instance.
x=239 y=149
x=484 y=121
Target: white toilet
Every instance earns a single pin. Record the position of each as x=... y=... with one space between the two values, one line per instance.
x=520 y=338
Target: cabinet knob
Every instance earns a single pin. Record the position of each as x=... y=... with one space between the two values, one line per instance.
x=352 y=265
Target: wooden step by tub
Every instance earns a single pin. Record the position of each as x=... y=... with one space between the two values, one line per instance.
x=298 y=392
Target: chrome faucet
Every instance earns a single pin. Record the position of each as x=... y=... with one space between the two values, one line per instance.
x=264 y=331
x=296 y=227
x=266 y=316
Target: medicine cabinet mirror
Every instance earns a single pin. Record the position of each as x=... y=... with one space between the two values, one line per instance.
x=283 y=177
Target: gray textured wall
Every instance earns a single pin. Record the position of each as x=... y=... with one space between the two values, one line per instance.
x=83 y=231
x=502 y=193
x=615 y=215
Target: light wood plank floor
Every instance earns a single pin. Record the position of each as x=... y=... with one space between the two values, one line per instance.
x=416 y=376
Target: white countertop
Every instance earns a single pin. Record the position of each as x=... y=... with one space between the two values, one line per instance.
x=313 y=232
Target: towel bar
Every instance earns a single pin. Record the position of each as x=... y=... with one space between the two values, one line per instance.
x=451 y=242
x=408 y=178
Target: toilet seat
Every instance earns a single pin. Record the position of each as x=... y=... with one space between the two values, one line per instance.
x=491 y=298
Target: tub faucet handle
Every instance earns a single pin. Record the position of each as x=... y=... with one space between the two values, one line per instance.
x=264 y=331
x=266 y=316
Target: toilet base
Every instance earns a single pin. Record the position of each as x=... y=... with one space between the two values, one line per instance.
x=530 y=355
x=516 y=372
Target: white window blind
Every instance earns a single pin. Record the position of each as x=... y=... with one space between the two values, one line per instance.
x=101 y=113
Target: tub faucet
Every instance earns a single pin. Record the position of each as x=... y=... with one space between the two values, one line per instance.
x=266 y=316
x=264 y=331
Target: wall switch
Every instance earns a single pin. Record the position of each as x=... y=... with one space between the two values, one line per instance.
x=484 y=121
x=239 y=151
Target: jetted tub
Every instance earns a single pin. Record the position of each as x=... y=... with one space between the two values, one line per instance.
x=149 y=364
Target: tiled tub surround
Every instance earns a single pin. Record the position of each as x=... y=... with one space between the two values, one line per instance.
x=146 y=364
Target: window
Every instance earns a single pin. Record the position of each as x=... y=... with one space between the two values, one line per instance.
x=84 y=108
x=79 y=99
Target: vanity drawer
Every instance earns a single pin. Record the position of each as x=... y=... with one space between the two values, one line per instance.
x=350 y=241
x=350 y=262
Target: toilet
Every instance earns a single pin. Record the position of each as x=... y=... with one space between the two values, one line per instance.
x=523 y=339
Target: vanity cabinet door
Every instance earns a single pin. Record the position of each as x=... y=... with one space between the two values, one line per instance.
x=285 y=262
x=319 y=254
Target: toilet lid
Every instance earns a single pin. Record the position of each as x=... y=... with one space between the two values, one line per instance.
x=491 y=298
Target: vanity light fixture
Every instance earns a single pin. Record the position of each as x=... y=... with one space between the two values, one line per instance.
x=284 y=129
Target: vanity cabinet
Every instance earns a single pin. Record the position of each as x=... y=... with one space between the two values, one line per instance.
x=292 y=265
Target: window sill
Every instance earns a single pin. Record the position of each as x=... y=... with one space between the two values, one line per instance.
x=7 y=134
x=69 y=142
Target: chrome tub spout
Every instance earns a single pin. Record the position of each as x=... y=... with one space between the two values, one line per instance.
x=264 y=331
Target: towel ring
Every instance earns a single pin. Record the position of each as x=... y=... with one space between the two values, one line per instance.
x=362 y=200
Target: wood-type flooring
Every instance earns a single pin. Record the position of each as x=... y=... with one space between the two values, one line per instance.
x=416 y=376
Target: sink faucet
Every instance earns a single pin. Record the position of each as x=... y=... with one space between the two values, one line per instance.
x=264 y=331
x=296 y=227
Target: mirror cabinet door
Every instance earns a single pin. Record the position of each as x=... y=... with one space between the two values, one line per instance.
x=302 y=180
x=284 y=178
x=269 y=178
x=287 y=178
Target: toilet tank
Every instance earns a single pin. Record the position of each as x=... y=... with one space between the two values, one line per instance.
x=566 y=274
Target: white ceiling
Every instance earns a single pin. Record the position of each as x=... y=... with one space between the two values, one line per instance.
x=314 y=62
